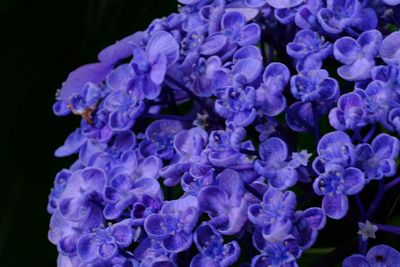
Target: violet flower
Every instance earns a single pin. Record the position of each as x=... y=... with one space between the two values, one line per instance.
x=357 y=55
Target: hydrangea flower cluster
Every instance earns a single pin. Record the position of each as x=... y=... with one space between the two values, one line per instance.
x=191 y=146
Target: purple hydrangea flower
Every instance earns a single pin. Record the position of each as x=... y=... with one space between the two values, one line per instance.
x=379 y=255
x=225 y=202
x=223 y=149
x=82 y=195
x=349 y=15
x=304 y=14
x=237 y=105
x=282 y=253
x=334 y=148
x=335 y=185
x=150 y=65
x=309 y=50
x=124 y=108
x=270 y=99
x=315 y=85
x=159 y=138
x=275 y=165
x=274 y=214
x=378 y=159
x=235 y=29
x=174 y=224
x=213 y=251
x=188 y=145
x=104 y=243
x=357 y=55
x=349 y=113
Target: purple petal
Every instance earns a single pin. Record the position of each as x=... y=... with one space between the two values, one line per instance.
x=390 y=50
x=255 y=3
x=87 y=251
x=370 y=42
x=121 y=49
x=200 y=260
x=335 y=205
x=276 y=75
x=94 y=73
x=162 y=42
x=249 y=68
x=111 y=194
x=119 y=121
x=178 y=242
x=274 y=149
x=315 y=218
x=250 y=35
x=120 y=77
x=158 y=69
x=231 y=253
x=67 y=245
x=249 y=51
x=72 y=145
x=213 y=44
x=94 y=179
x=357 y=71
x=346 y=50
x=212 y=199
x=383 y=255
x=353 y=181
x=122 y=234
x=150 y=167
x=107 y=251
x=284 y=3
x=231 y=183
x=204 y=235
x=356 y=261
x=155 y=226
x=233 y=20
x=385 y=146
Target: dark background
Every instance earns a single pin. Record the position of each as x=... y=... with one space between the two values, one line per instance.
x=40 y=43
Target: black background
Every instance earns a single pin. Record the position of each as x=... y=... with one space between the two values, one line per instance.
x=40 y=43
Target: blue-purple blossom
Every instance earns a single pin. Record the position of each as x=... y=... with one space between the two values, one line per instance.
x=346 y=15
x=174 y=224
x=270 y=99
x=309 y=50
x=213 y=251
x=160 y=138
x=104 y=243
x=274 y=214
x=281 y=253
x=225 y=202
x=280 y=171
x=357 y=55
x=349 y=113
x=378 y=159
x=315 y=85
x=150 y=65
x=335 y=185
x=334 y=148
